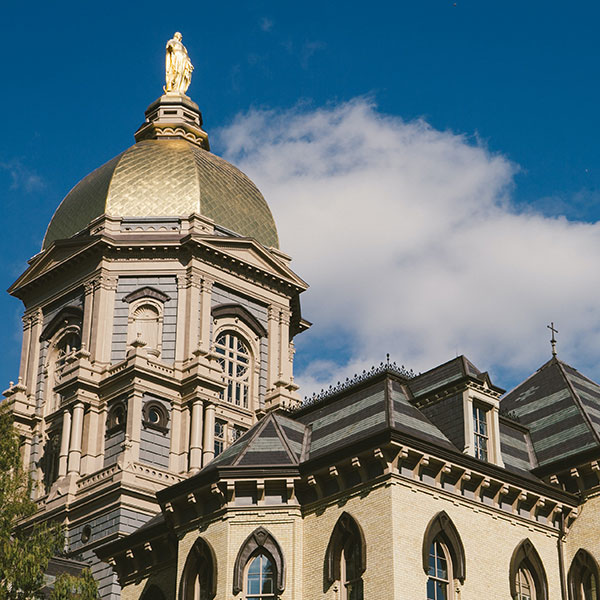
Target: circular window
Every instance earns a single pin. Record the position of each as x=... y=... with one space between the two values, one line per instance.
x=153 y=415
x=86 y=534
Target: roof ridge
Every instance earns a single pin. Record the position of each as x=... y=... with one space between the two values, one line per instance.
x=578 y=401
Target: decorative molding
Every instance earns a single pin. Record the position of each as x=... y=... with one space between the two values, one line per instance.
x=342 y=386
x=146 y=292
x=238 y=311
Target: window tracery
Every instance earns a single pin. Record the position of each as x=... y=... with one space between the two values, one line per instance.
x=260 y=579
x=235 y=359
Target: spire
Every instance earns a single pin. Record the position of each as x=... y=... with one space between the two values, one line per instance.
x=174 y=115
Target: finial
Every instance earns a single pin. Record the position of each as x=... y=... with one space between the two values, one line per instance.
x=178 y=67
x=387 y=359
x=553 y=339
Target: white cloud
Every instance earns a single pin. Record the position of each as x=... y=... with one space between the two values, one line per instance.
x=412 y=245
x=22 y=177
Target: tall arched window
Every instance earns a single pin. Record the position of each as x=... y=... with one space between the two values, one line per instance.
x=260 y=579
x=235 y=359
x=584 y=577
x=259 y=569
x=199 y=579
x=443 y=557
x=439 y=579
x=346 y=558
x=527 y=576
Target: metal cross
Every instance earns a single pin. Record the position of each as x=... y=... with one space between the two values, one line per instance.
x=553 y=340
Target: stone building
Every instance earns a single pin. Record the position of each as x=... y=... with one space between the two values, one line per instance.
x=161 y=422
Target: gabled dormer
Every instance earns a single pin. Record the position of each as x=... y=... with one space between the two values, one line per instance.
x=464 y=404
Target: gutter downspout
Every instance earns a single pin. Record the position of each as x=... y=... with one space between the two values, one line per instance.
x=561 y=558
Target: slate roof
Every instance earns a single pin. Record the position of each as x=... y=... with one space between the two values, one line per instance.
x=561 y=408
x=275 y=441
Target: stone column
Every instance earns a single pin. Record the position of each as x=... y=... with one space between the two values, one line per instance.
x=284 y=346
x=205 y=314
x=75 y=445
x=102 y=319
x=25 y=348
x=209 y=433
x=494 y=438
x=196 y=435
x=273 y=344
x=65 y=439
x=181 y=325
x=33 y=352
x=88 y=307
x=192 y=320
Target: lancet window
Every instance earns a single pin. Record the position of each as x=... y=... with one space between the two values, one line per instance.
x=443 y=558
x=259 y=570
x=199 y=578
x=584 y=577
x=527 y=576
x=345 y=560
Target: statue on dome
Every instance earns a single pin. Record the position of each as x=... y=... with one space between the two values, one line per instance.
x=178 y=66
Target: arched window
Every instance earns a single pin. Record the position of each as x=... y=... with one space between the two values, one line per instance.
x=260 y=579
x=443 y=557
x=235 y=359
x=259 y=569
x=584 y=577
x=346 y=558
x=525 y=585
x=527 y=576
x=439 y=580
x=199 y=579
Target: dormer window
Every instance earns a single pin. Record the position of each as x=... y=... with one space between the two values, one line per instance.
x=480 y=432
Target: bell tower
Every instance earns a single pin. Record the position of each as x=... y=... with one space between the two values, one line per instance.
x=158 y=327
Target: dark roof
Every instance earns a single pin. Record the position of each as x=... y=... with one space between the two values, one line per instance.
x=276 y=440
x=561 y=408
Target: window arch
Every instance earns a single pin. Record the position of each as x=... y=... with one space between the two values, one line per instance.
x=584 y=577
x=235 y=358
x=63 y=344
x=199 y=579
x=527 y=575
x=346 y=558
x=259 y=568
x=441 y=540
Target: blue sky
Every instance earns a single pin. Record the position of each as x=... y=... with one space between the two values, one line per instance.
x=517 y=81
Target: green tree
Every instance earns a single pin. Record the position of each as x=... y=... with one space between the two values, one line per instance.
x=24 y=551
x=69 y=587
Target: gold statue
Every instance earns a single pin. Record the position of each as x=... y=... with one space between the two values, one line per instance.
x=179 y=67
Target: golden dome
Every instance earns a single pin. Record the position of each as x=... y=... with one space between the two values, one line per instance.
x=168 y=177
